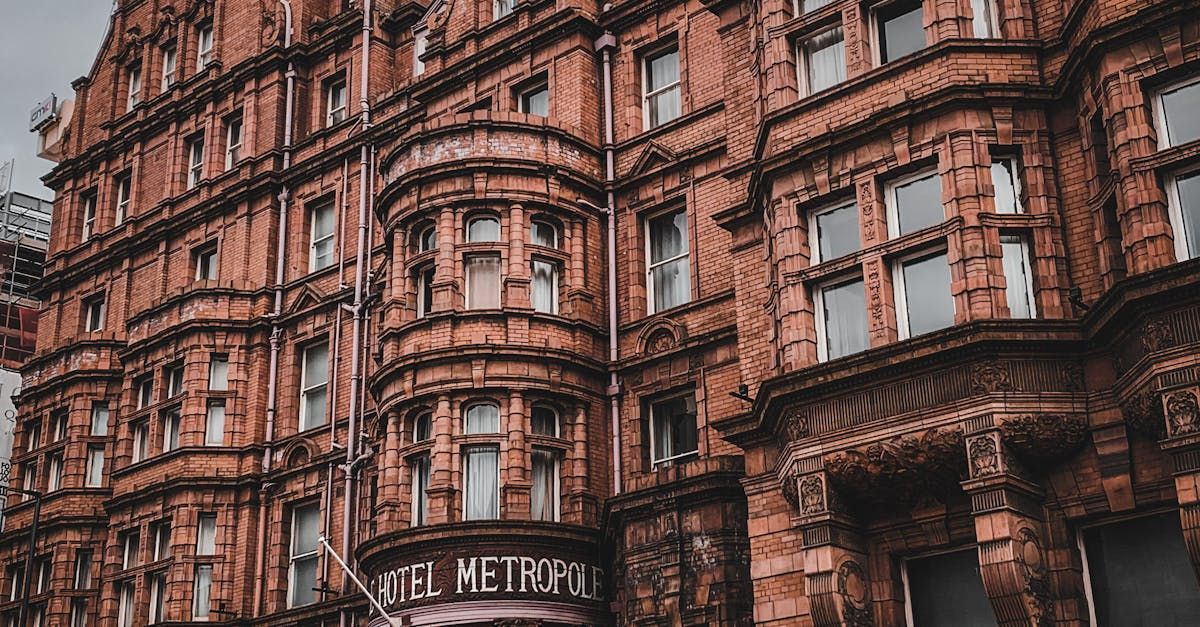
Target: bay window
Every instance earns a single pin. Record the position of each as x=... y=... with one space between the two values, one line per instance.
x=1018 y=276
x=914 y=203
x=1176 y=108
x=481 y=482
x=1183 y=205
x=822 y=60
x=899 y=29
x=544 y=293
x=543 y=497
x=483 y=282
x=673 y=431
x=302 y=561
x=841 y=319
x=313 y=379
x=661 y=87
x=668 y=274
x=922 y=292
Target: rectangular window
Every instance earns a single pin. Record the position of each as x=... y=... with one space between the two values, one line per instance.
x=320 y=250
x=425 y=278
x=206 y=534
x=1136 y=572
x=204 y=259
x=169 y=63
x=535 y=100
x=93 y=311
x=1018 y=276
x=130 y=550
x=481 y=478
x=124 y=197
x=841 y=319
x=134 y=79
x=985 y=19
x=99 y=426
x=158 y=596
x=214 y=425
x=419 y=467
x=335 y=100
x=1176 y=108
x=1183 y=204
x=914 y=203
x=89 y=215
x=195 y=162
x=483 y=282
x=95 y=467
x=58 y=424
x=808 y=6
x=145 y=391
x=44 y=572
x=661 y=87
x=29 y=476
x=544 y=295
x=79 y=613
x=420 y=44
x=204 y=44
x=141 y=441
x=923 y=300
x=233 y=141
x=218 y=373
x=1007 y=185
x=33 y=439
x=55 y=468
x=899 y=29
x=313 y=378
x=83 y=569
x=125 y=609
x=833 y=233
x=822 y=61
x=482 y=418
x=501 y=8
x=202 y=592
x=668 y=273
x=544 y=421
x=946 y=591
x=673 y=428
x=162 y=540
x=170 y=430
x=16 y=574
x=302 y=565
x=543 y=497
x=174 y=380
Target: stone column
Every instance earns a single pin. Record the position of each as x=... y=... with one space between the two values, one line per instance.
x=390 y=472
x=441 y=464
x=515 y=490
x=516 y=280
x=446 y=292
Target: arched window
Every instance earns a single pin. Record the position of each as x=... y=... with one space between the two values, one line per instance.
x=422 y=426
x=483 y=229
x=427 y=239
x=483 y=418
x=544 y=421
x=543 y=233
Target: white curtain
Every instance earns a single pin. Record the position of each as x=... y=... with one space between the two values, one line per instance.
x=420 y=485
x=483 y=418
x=483 y=480
x=826 y=60
x=203 y=592
x=542 y=499
x=1016 y=276
x=214 y=430
x=206 y=536
x=545 y=287
x=845 y=319
x=483 y=282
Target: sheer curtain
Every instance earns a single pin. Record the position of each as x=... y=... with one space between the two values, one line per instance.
x=544 y=295
x=483 y=482
x=826 y=60
x=203 y=593
x=669 y=260
x=483 y=282
x=845 y=319
x=420 y=483
x=542 y=499
x=483 y=418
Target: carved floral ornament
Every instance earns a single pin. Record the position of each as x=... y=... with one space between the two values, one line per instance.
x=1029 y=555
x=1157 y=335
x=1143 y=412
x=900 y=471
x=855 y=591
x=1183 y=412
x=990 y=377
x=795 y=424
x=1045 y=437
x=984 y=456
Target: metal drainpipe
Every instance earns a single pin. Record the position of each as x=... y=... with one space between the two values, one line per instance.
x=277 y=310
x=605 y=44
x=364 y=168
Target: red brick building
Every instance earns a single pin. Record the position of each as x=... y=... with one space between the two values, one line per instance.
x=905 y=299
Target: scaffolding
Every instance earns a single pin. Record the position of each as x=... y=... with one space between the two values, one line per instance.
x=24 y=238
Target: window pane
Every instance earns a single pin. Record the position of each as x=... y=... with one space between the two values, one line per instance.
x=203 y=591
x=982 y=23
x=668 y=236
x=837 y=232
x=482 y=477
x=1016 y=276
x=214 y=428
x=304 y=579
x=99 y=420
x=672 y=284
x=536 y=101
x=483 y=418
x=674 y=427
x=919 y=203
x=428 y=239
x=218 y=373
x=316 y=365
x=544 y=295
x=544 y=495
x=901 y=31
x=807 y=6
x=483 y=230
x=423 y=427
x=662 y=70
x=845 y=319
x=304 y=529
x=314 y=408
x=420 y=486
x=927 y=294
x=664 y=106
x=544 y=234
x=1005 y=184
x=1180 y=106
x=825 y=58
x=95 y=467
x=483 y=283
x=544 y=421
x=206 y=535
x=425 y=278
x=947 y=591
x=1188 y=190
x=1141 y=574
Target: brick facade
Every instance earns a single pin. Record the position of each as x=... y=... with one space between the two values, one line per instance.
x=734 y=465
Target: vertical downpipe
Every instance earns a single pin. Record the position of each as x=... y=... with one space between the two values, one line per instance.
x=605 y=44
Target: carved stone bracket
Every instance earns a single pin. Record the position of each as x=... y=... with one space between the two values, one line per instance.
x=900 y=471
x=1045 y=438
x=1143 y=412
x=1182 y=408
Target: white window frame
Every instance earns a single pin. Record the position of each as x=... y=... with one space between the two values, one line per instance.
x=141 y=441
x=171 y=420
x=218 y=375
x=419 y=514
x=875 y=24
x=331 y=88
x=314 y=241
x=173 y=377
x=547 y=224
x=195 y=148
x=213 y=436
x=557 y=420
x=647 y=56
x=423 y=308
x=125 y=603
x=1015 y=164
x=893 y=210
x=469 y=282
x=819 y=312
x=59 y=424
x=170 y=65
x=293 y=557
x=206 y=261
x=144 y=389
x=421 y=247
x=1175 y=213
x=1027 y=261
x=204 y=47
x=94 y=312
x=162 y=540
x=90 y=203
x=306 y=388
x=541 y=85
x=651 y=306
x=802 y=76
x=130 y=557
x=420 y=45
x=556 y=471
x=208 y=519
x=1160 y=111
x=993 y=20
x=233 y=141
x=83 y=569
x=554 y=273
x=814 y=234
x=466 y=499
x=482 y=218
x=79 y=613
x=98 y=427
x=158 y=596
x=124 y=197
x=201 y=613
x=503 y=8
x=54 y=472
x=655 y=461
x=95 y=461
x=900 y=293
x=133 y=79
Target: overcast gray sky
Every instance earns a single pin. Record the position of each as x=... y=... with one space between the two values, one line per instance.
x=44 y=45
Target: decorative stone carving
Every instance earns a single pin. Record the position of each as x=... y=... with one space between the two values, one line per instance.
x=790 y=494
x=900 y=471
x=812 y=495
x=984 y=456
x=989 y=377
x=1143 y=413
x=1045 y=437
x=660 y=341
x=855 y=590
x=1028 y=553
x=1072 y=375
x=660 y=335
x=1183 y=412
x=795 y=424
x=1157 y=335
